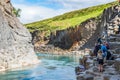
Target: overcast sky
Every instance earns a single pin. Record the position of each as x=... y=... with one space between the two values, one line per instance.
x=35 y=10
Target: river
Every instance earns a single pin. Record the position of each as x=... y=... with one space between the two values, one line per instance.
x=51 y=67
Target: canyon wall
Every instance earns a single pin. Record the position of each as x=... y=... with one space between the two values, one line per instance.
x=16 y=49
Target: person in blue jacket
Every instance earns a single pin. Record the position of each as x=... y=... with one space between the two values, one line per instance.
x=104 y=49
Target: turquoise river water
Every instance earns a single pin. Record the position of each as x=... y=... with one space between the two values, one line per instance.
x=51 y=67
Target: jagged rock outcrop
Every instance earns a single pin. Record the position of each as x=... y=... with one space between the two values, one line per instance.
x=16 y=49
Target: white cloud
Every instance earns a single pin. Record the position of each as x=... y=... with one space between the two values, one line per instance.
x=77 y=4
x=35 y=13
x=31 y=13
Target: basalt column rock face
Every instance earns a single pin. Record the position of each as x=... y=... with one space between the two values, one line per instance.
x=16 y=49
x=110 y=20
x=65 y=38
x=80 y=34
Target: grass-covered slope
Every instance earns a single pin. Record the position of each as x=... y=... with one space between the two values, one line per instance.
x=69 y=19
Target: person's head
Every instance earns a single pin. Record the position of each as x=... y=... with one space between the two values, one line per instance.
x=105 y=42
x=99 y=52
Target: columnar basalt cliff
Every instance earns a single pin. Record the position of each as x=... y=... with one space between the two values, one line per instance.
x=87 y=33
x=81 y=34
x=16 y=49
x=79 y=37
x=65 y=38
x=110 y=20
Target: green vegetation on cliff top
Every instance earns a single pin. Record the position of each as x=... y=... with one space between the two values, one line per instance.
x=69 y=19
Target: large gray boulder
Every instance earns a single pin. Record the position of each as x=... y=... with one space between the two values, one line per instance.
x=16 y=49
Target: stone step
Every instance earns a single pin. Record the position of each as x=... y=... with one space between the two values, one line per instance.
x=117 y=51
x=114 y=45
x=115 y=35
x=98 y=78
x=114 y=39
x=115 y=77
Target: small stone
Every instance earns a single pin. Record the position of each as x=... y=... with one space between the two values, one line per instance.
x=80 y=78
x=106 y=77
x=95 y=69
x=88 y=77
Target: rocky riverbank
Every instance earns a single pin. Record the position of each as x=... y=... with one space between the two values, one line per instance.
x=110 y=23
x=50 y=49
x=111 y=67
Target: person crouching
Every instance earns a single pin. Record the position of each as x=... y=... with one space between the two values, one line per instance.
x=100 y=60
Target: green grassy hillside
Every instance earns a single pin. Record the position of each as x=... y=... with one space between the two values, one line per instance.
x=69 y=19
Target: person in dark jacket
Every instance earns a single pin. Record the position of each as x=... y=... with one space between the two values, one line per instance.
x=97 y=47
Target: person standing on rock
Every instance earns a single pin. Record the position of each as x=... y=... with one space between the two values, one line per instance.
x=100 y=60
x=104 y=49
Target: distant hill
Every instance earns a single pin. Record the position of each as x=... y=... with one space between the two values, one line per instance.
x=69 y=19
